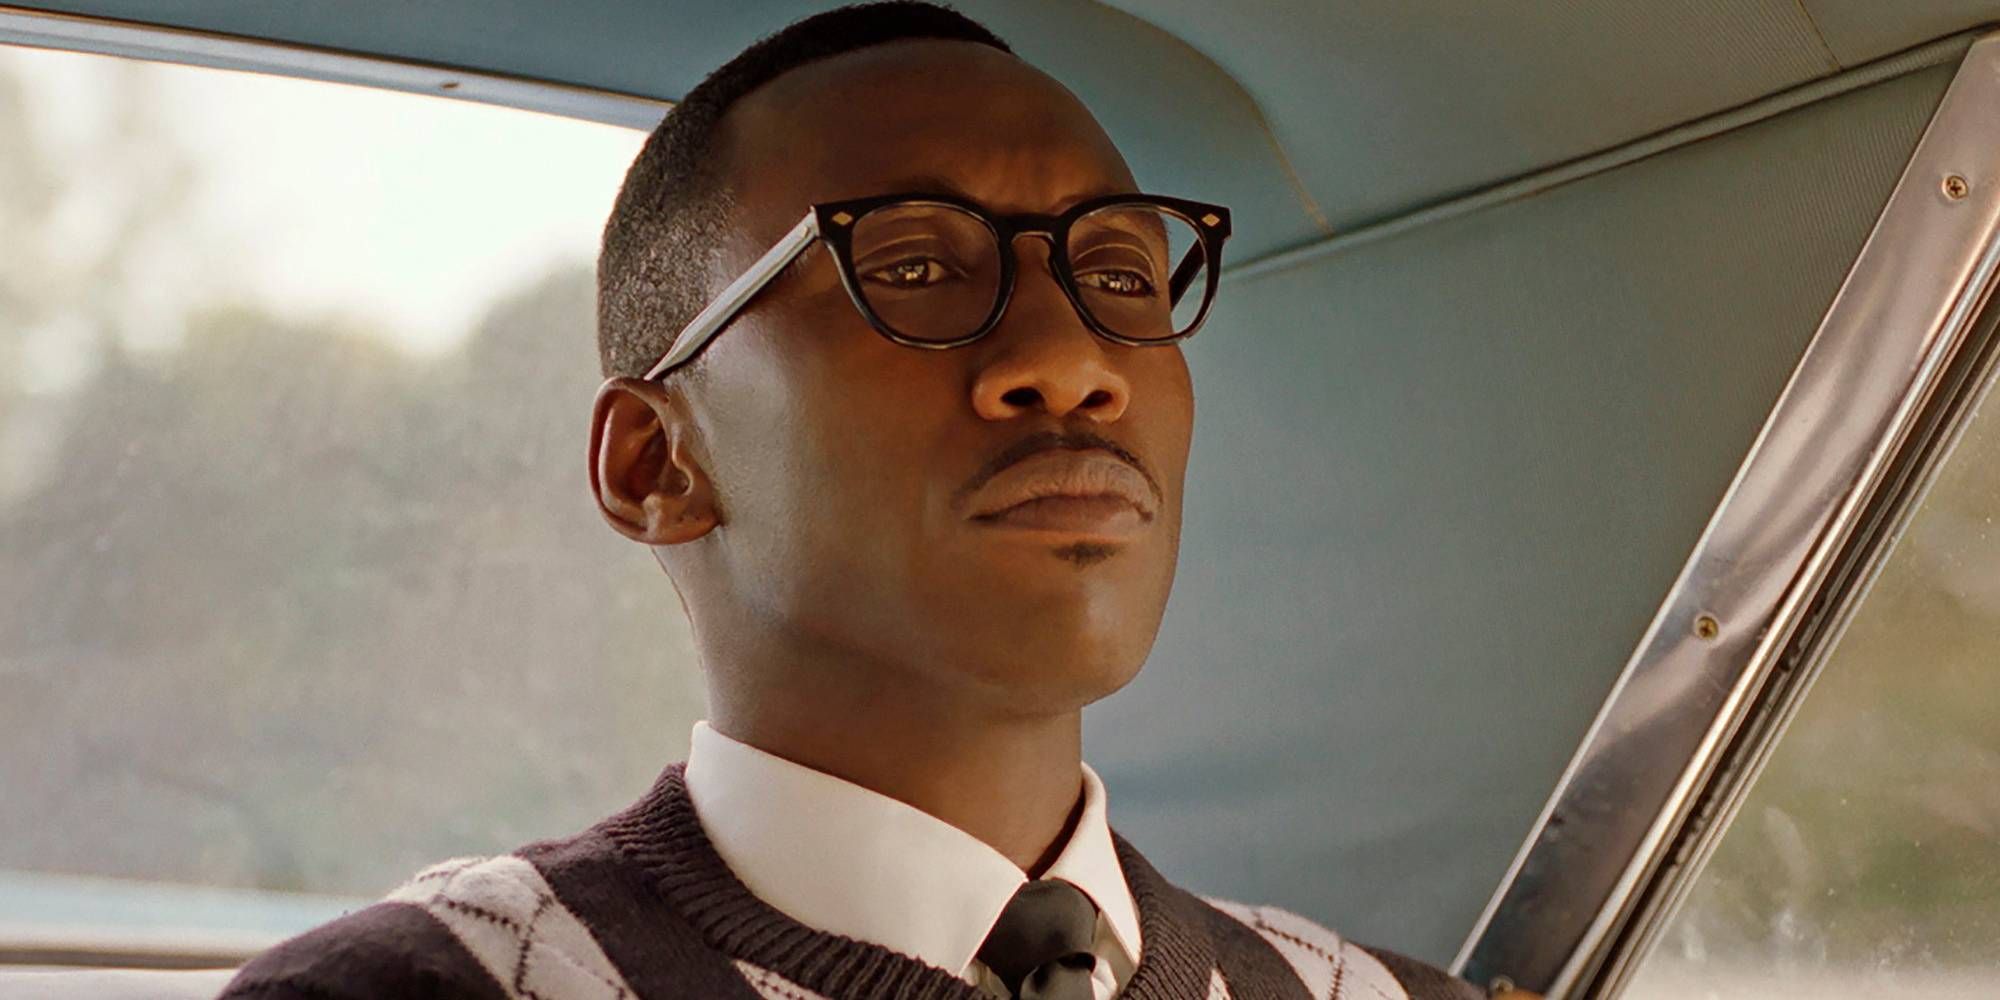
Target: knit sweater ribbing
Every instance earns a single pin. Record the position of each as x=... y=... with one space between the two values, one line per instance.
x=644 y=896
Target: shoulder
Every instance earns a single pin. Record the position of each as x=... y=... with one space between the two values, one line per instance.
x=388 y=949
x=485 y=928
x=1329 y=965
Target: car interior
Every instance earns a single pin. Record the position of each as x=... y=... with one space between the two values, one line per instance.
x=1585 y=450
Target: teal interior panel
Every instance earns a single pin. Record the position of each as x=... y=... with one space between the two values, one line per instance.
x=1387 y=105
x=1859 y=30
x=1441 y=482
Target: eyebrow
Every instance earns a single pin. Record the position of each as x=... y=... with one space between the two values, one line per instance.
x=935 y=184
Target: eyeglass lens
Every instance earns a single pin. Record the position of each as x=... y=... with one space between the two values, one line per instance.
x=1129 y=261
x=932 y=272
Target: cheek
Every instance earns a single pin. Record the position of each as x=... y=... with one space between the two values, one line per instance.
x=879 y=431
x=858 y=552
x=1165 y=395
x=832 y=431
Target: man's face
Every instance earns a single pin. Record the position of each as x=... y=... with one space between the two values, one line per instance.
x=843 y=463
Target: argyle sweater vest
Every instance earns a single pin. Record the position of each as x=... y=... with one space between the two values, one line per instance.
x=640 y=907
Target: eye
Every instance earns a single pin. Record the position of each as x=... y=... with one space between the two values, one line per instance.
x=911 y=272
x=1117 y=281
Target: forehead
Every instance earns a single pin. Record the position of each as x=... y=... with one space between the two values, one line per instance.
x=918 y=115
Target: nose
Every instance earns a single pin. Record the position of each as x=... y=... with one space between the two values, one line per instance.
x=1043 y=358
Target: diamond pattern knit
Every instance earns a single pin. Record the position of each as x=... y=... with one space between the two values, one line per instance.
x=641 y=906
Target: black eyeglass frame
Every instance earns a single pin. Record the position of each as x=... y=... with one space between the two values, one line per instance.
x=833 y=222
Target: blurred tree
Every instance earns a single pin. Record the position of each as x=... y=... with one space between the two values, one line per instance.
x=285 y=607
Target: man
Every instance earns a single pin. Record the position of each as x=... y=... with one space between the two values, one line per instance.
x=896 y=400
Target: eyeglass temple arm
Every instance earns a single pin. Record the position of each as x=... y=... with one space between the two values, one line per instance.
x=1190 y=264
x=717 y=314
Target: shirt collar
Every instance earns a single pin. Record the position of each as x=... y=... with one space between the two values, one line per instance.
x=842 y=858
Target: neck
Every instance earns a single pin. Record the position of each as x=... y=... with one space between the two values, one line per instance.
x=1013 y=781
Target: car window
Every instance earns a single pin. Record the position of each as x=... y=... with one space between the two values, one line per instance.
x=301 y=583
x=1865 y=859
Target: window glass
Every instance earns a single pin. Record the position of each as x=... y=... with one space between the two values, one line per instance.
x=301 y=583
x=1865 y=861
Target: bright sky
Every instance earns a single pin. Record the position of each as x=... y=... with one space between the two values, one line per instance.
x=410 y=212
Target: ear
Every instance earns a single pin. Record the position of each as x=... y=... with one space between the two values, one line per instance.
x=645 y=469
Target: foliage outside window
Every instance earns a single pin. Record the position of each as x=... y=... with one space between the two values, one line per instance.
x=301 y=585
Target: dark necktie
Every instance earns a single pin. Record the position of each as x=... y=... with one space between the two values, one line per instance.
x=1040 y=946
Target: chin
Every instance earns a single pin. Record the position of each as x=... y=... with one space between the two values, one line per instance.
x=1049 y=639
x=1056 y=671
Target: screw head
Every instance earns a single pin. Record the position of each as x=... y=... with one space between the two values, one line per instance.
x=1956 y=187
x=1706 y=627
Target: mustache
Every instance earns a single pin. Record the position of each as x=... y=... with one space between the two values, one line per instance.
x=1040 y=441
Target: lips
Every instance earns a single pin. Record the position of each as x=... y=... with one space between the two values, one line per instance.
x=1064 y=488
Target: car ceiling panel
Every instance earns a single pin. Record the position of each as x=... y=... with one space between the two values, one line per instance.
x=1860 y=30
x=1387 y=105
x=1187 y=127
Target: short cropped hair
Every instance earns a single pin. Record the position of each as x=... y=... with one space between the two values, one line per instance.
x=673 y=211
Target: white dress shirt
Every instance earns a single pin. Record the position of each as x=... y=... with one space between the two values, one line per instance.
x=840 y=858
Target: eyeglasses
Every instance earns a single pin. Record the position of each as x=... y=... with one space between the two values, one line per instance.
x=936 y=271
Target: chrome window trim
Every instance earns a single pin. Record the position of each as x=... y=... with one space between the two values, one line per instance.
x=1822 y=457
x=1869 y=550
x=133 y=40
